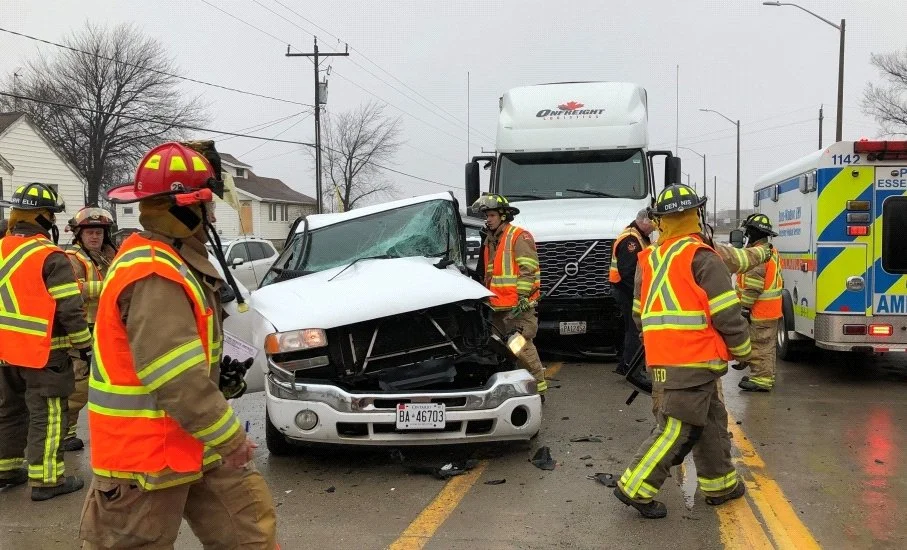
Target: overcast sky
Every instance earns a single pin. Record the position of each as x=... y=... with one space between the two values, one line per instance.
x=771 y=67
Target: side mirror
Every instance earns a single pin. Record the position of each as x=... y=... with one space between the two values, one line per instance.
x=472 y=183
x=737 y=237
x=237 y=262
x=672 y=170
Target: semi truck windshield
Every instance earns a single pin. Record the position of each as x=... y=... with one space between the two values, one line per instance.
x=572 y=174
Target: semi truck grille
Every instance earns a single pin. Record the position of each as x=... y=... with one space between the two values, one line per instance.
x=569 y=276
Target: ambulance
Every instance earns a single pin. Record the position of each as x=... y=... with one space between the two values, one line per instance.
x=841 y=218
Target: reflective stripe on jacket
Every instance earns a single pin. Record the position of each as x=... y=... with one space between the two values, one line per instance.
x=130 y=433
x=504 y=273
x=767 y=306
x=93 y=282
x=613 y=273
x=27 y=306
x=676 y=312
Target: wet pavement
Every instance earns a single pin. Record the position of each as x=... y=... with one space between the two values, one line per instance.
x=823 y=457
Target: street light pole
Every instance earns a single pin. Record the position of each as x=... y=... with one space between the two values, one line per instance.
x=737 y=124
x=839 y=123
x=704 y=180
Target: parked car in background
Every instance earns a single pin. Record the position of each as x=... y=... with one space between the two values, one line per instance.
x=249 y=258
x=370 y=332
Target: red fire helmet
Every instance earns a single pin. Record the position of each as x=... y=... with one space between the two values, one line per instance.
x=170 y=169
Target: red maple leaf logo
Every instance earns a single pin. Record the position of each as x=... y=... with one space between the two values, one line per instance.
x=570 y=106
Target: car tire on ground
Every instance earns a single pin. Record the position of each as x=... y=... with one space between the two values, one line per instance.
x=275 y=441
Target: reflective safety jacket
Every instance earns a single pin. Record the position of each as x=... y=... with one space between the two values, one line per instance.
x=514 y=273
x=679 y=311
x=92 y=279
x=630 y=231
x=760 y=290
x=28 y=305
x=133 y=437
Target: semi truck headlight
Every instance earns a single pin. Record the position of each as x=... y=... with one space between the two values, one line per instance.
x=295 y=340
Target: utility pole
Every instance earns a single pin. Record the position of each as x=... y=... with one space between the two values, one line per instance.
x=715 y=200
x=316 y=55
x=820 y=125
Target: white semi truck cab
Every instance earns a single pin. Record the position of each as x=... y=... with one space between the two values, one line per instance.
x=573 y=157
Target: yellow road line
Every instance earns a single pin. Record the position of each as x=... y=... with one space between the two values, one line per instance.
x=739 y=528
x=784 y=525
x=424 y=526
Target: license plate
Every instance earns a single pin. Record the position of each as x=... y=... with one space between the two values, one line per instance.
x=573 y=327
x=420 y=416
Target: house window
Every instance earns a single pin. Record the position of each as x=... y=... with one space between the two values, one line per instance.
x=127 y=210
x=278 y=212
x=240 y=172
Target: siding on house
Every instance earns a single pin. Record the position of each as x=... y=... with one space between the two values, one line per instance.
x=34 y=159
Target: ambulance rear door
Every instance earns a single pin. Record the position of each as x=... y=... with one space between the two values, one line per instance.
x=889 y=226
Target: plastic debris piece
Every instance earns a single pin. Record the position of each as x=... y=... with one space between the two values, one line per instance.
x=496 y=482
x=587 y=457
x=542 y=459
x=330 y=489
x=589 y=439
x=880 y=461
x=445 y=471
x=605 y=479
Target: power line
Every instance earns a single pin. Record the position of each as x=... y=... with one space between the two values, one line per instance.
x=264 y=125
x=282 y=132
x=155 y=71
x=244 y=22
x=199 y=129
x=450 y=117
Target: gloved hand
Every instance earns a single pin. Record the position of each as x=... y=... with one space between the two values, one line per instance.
x=747 y=315
x=85 y=354
x=232 y=373
x=522 y=306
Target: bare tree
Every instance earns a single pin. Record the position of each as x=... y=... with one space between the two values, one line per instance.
x=887 y=101
x=123 y=73
x=354 y=143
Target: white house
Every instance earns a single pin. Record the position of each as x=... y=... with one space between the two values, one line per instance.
x=27 y=155
x=267 y=206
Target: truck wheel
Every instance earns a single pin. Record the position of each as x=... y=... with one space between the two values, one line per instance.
x=276 y=442
x=785 y=353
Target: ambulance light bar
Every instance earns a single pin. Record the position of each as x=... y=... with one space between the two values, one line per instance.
x=881 y=150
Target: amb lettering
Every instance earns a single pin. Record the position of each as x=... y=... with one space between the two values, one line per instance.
x=892 y=303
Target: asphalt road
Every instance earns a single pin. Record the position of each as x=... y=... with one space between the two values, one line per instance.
x=823 y=458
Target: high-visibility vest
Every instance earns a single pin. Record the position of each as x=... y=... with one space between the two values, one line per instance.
x=94 y=281
x=768 y=305
x=676 y=312
x=129 y=431
x=27 y=306
x=613 y=273
x=504 y=272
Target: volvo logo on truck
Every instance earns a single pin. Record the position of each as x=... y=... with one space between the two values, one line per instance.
x=570 y=109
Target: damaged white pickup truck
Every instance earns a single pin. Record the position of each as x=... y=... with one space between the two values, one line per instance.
x=373 y=334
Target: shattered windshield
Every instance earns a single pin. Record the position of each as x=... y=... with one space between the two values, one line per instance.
x=423 y=229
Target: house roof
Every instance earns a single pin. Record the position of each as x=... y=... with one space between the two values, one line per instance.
x=7 y=120
x=230 y=159
x=270 y=189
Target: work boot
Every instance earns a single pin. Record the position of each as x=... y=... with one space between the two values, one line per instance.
x=70 y=484
x=749 y=385
x=739 y=491
x=621 y=369
x=19 y=477
x=650 y=510
x=72 y=444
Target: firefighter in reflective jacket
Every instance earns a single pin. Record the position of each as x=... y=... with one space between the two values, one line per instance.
x=626 y=248
x=41 y=318
x=512 y=274
x=165 y=443
x=692 y=324
x=90 y=256
x=760 y=294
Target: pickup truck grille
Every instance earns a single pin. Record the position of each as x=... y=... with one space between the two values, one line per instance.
x=562 y=269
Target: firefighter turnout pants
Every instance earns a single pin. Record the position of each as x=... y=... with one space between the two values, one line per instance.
x=226 y=508
x=79 y=396
x=763 y=334
x=33 y=406
x=689 y=419
x=527 y=323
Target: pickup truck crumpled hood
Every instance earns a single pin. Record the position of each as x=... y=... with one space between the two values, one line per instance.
x=371 y=289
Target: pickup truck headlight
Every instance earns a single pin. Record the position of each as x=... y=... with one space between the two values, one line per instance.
x=295 y=340
x=507 y=391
